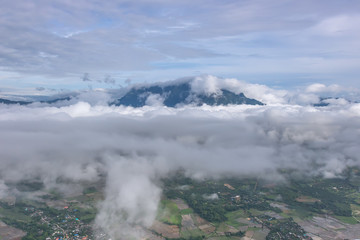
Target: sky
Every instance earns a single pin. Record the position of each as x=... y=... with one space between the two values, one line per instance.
x=52 y=46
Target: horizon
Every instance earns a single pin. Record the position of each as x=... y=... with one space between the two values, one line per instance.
x=205 y=84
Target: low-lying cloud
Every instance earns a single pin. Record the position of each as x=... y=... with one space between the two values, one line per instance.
x=134 y=148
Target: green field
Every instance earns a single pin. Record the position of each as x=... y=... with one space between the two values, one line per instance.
x=233 y=216
x=168 y=212
x=186 y=211
x=225 y=238
x=191 y=233
x=14 y=213
x=348 y=220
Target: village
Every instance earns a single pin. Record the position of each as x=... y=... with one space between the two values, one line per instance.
x=51 y=224
x=210 y=209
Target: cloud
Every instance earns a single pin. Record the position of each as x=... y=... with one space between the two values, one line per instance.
x=302 y=98
x=148 y=40
x=132 y=192
x=107 y=79
x=3 y=189
x=334 y=91
x=213 y=196
x=40 y=89
x=154 y=99
x=132 y=149
x=320 y=88
x=338 y=26
x=86 y=77
x=205 y=85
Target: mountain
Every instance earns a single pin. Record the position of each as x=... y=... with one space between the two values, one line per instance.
x=6 y=101
x=326 y=101
x=57 y=100
x=181 y=94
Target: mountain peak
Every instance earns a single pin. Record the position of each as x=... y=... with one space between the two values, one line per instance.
x=182 y=93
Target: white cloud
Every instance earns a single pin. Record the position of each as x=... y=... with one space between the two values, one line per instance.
x=205 y=85
x=134 y=148
x=210 y=84
x=304 y=98
x=213 y=196
x=230 y=38
x=338 y=26
x=320 y=88
x=154 y=100
x=336 y=101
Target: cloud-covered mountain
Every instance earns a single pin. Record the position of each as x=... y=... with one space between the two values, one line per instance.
x=20 y=102
x=326 y=101
x=7 y=101
x=194 y=91
x=179 y=94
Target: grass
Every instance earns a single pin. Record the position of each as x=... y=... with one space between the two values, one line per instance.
x=168 y=212
x=271 y=197
x=186 y=211
x=354 y=195
x=355 y=209
x=14 y=214
x=33 y=203
x=261 y=234
x=225 y=238
x=235 y=223
x=306 y=199
x=233 y=216
x=87 y=215
x=348 y=220
x=302 y=213
x=254 y=229
x=191 y=233
x=297 y=212
x=285 y=215
x=256 y=212
x=221 y=227
x=236 y=214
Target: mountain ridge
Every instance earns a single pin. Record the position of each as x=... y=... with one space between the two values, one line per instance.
x=180 y=94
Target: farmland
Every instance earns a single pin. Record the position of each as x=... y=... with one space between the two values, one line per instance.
x=226 y=208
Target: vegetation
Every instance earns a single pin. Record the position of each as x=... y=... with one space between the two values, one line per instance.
x=323 y=190
x=285 y=229
x=222 y=203
x=168 y=212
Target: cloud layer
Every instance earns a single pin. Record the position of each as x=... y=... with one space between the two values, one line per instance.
x=52 y=44
x=134 y=148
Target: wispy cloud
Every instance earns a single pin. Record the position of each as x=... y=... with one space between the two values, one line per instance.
x=60 y=40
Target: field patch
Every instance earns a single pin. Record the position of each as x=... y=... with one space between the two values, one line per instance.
x=14 y=213
x=234 y=217
x=180 y=204
x=348 y=220
x=307 y=199
x=10 y=233
x=168 y=212
x=187 y=222
x=168 y=231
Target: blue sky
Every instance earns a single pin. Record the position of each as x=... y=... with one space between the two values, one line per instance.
x=53 y=45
